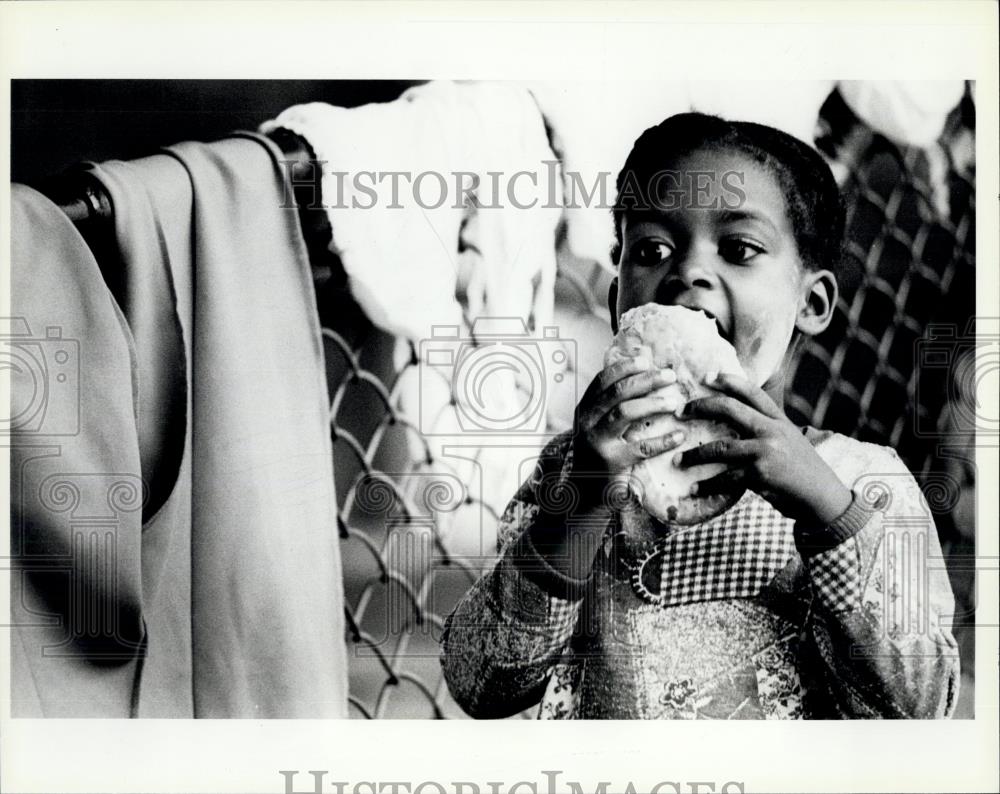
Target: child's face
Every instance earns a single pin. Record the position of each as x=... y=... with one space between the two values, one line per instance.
x=732 y=255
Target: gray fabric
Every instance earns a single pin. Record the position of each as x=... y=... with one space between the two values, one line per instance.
x=240 y=583
x=76 y=495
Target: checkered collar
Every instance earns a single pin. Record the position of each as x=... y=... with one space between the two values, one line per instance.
x=734 y=555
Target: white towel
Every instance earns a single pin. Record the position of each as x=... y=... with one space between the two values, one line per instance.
x=406 y=271
x=911 y=112
x=402 y=256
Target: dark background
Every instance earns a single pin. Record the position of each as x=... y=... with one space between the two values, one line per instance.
x=57 y=123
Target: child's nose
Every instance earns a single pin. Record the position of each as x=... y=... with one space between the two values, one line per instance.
x=694 y=270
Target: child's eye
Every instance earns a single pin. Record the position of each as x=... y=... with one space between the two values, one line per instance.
x=738 y=250
x=651 y=252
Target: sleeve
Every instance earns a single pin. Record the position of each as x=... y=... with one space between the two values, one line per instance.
x=504 y=638
x=882 y=603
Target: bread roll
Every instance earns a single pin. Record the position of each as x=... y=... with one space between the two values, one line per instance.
x=688 y=342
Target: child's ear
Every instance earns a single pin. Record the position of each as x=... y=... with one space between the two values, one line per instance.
x=613 y=303
x=819 y=291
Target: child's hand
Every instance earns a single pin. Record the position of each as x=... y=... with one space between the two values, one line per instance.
x=771 y=456
x=609 y=437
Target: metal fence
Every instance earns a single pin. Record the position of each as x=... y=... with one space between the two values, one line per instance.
x=899 y=363
x=405 y=511
x=415 y=532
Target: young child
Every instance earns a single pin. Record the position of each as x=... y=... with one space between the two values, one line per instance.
x=819 y=594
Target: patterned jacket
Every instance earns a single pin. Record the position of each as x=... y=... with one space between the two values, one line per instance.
x=735 y=618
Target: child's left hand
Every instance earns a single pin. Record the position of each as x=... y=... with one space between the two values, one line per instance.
x=771 y=455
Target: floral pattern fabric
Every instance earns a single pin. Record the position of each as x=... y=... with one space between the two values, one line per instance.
x=859 y=630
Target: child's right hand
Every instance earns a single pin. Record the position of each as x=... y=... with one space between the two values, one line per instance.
x=610 y=420
x=610 y=436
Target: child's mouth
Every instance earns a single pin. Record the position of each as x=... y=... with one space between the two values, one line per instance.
x=722 y=331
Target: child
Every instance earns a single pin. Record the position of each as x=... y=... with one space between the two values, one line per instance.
x=819 y=594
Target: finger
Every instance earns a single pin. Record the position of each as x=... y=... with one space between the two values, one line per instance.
x=728 y=451
x=727 y=482
x=638 y=386
x=639 y=409
x=651 y=447
x=595 y=403
x=651 y=427
x=722 y=408
x=652 y=377
x=613 y=373
x=745 y=391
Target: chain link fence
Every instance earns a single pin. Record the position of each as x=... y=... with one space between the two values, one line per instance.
x=417 y=524
x=899 y=363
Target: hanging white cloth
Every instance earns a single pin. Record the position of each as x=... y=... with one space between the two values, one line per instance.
x=469 y=233
x=400 y=180
x=910 y=112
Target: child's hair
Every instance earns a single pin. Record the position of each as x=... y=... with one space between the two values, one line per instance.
x=812 y=198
